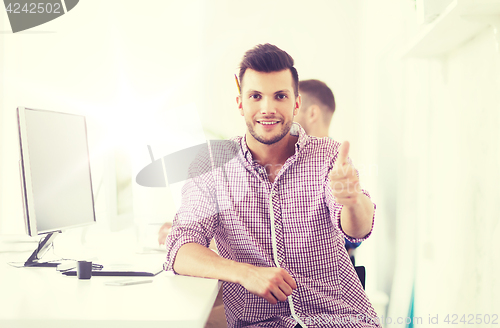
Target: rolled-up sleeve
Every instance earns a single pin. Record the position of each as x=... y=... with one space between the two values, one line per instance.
x=335 y=210
x=196 y=220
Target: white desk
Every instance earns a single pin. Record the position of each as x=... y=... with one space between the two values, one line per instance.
x=43 y=297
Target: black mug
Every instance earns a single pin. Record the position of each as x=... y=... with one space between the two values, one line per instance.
x=84 y=269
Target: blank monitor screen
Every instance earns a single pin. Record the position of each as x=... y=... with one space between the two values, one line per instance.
x=56 y=170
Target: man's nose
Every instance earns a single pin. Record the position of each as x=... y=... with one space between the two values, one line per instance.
x=267 y=106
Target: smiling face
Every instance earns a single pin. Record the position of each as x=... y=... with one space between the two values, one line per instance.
x=268 y=103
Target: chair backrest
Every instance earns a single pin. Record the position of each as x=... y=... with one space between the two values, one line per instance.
x=361 y=272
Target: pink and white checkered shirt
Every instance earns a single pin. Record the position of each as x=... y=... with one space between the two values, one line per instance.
x=293 y=223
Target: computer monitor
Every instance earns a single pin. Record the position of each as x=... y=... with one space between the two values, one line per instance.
x=55 y=175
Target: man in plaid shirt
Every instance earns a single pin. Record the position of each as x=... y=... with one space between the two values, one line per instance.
x=279 y=204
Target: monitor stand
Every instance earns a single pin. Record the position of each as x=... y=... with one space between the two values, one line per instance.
x=43 y=246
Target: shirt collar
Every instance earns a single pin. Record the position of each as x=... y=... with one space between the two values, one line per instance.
x=295 y=130
x=303 y=137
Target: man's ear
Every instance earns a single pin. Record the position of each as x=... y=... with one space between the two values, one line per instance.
x=298 y=102
x=314 y=113
x=240 y=104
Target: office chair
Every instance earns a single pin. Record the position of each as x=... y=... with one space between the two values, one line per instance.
x=361 y=272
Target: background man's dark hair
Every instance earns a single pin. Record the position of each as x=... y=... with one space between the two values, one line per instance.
x=269 y=58
x=317 y=92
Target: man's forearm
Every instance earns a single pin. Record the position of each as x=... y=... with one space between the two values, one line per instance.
x=271 y=283
x=196 y=260
x=356 y=220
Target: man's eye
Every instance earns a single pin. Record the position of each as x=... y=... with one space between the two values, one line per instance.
x=281 y=96
x=255 y=96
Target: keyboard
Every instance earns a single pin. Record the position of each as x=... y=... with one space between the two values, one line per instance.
x=117 y=273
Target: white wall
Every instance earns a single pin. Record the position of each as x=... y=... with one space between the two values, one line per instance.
x=161 y=73
x=457 y=254
x=433 y=130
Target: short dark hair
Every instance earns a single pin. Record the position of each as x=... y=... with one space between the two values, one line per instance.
x=317 y=92
x=269 y=58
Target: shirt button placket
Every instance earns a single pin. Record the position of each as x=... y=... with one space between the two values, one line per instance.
x=273 y=228
x=276 y=224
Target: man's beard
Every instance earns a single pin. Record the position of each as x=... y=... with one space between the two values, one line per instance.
x=284 y=131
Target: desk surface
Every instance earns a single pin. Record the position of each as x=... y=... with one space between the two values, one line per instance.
x=43 y=297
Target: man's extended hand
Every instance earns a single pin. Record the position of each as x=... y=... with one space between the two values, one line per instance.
x=344 y=180
x=272 y=284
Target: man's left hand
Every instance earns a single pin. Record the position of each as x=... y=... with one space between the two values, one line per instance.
x=344 y=180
